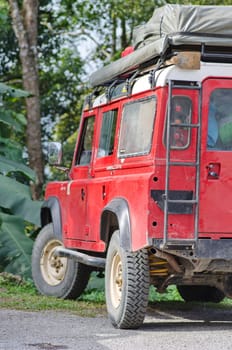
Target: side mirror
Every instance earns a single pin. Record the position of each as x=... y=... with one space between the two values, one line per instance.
x=54 y=153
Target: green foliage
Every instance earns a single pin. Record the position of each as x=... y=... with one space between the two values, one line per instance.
x=10 y=119
x=171 y=294
x=11 y=91
x=17 y=209
x=95 y=295
x=7 y=166
x=8 y=47
x=9 y=148
x=16 y=197
x=95 y=291
x=15 y=246
x=106 y=24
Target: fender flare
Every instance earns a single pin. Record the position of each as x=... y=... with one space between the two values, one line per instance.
x=119 y=207
x=51 y=212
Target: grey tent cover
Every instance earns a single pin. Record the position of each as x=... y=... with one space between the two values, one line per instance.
x=170 y=26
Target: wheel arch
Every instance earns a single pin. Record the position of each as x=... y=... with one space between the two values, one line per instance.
x=51 y=213
x=116 y=215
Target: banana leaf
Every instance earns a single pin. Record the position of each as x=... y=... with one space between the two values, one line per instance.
x=11 y=91
x=17 y=198
x=15 y=246
x=8 y=166
x=10 y=149
x=7 y=117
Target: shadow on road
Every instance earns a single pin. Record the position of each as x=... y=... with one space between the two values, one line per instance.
x=187 y=316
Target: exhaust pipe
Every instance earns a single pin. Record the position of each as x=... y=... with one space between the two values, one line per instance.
x=80 y=257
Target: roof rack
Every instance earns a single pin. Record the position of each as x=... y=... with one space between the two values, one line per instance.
x=216 y=54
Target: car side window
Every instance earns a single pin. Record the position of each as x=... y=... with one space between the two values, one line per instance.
x=137 y=126
x=85 y=151
x=220 y=120
x=181 y=116
x=106 y=142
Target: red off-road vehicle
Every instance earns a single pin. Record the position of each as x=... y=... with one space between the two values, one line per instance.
x=149 y=193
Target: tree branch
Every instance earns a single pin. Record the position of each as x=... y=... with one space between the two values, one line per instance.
x=88 y=35
x=17 y=23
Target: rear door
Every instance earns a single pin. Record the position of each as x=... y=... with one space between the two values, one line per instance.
x=215 y=207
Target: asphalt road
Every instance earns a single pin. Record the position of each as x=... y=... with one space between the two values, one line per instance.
x=165 y=328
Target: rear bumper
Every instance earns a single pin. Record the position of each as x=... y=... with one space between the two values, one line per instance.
x=201 y=249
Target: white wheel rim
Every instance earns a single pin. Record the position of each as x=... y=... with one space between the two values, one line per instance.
x=116 y=281
x=53 y=268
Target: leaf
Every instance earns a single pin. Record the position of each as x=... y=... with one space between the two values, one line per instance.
x=10 y=149
x=7 y=117
x=20 y=118
x=13 y=92
x=15 y=246
x=8 y=166
x=17 y=197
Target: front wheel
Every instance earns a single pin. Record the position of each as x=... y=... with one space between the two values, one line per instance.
x=126 y=285
x=56 y=276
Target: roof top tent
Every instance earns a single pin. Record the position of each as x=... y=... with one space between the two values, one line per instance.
x=174 y=28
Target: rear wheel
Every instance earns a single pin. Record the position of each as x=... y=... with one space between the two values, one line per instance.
x=56 y=276
x=201 y=293
x=126 y=285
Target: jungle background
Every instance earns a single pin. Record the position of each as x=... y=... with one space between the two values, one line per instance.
x=48 y=48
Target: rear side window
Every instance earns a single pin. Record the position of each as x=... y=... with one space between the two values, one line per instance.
x=137 y=127
x=106 y=143
x=181 y=116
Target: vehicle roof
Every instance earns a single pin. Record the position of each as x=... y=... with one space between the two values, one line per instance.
x=173 y=72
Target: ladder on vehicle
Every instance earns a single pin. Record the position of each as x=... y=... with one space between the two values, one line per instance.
x=194 y=201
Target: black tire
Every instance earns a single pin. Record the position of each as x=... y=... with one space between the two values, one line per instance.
x=201 y=293
x=55 y=276
x=126 y=285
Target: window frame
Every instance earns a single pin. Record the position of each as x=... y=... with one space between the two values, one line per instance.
x=137 y=153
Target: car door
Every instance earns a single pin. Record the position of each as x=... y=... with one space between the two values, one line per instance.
x=77 y=188
x=101 y=185
x=215 y=206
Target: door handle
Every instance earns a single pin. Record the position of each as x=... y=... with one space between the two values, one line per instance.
x=82 y=194
x=103 y=192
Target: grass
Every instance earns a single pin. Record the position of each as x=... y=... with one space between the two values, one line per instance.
x=18 y=294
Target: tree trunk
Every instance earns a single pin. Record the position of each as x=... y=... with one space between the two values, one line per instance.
x=25 y=25
x=124 y=42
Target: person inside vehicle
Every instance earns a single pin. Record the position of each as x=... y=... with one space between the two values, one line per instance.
x=179 y=134
x=212 y=127
x=220 y=120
